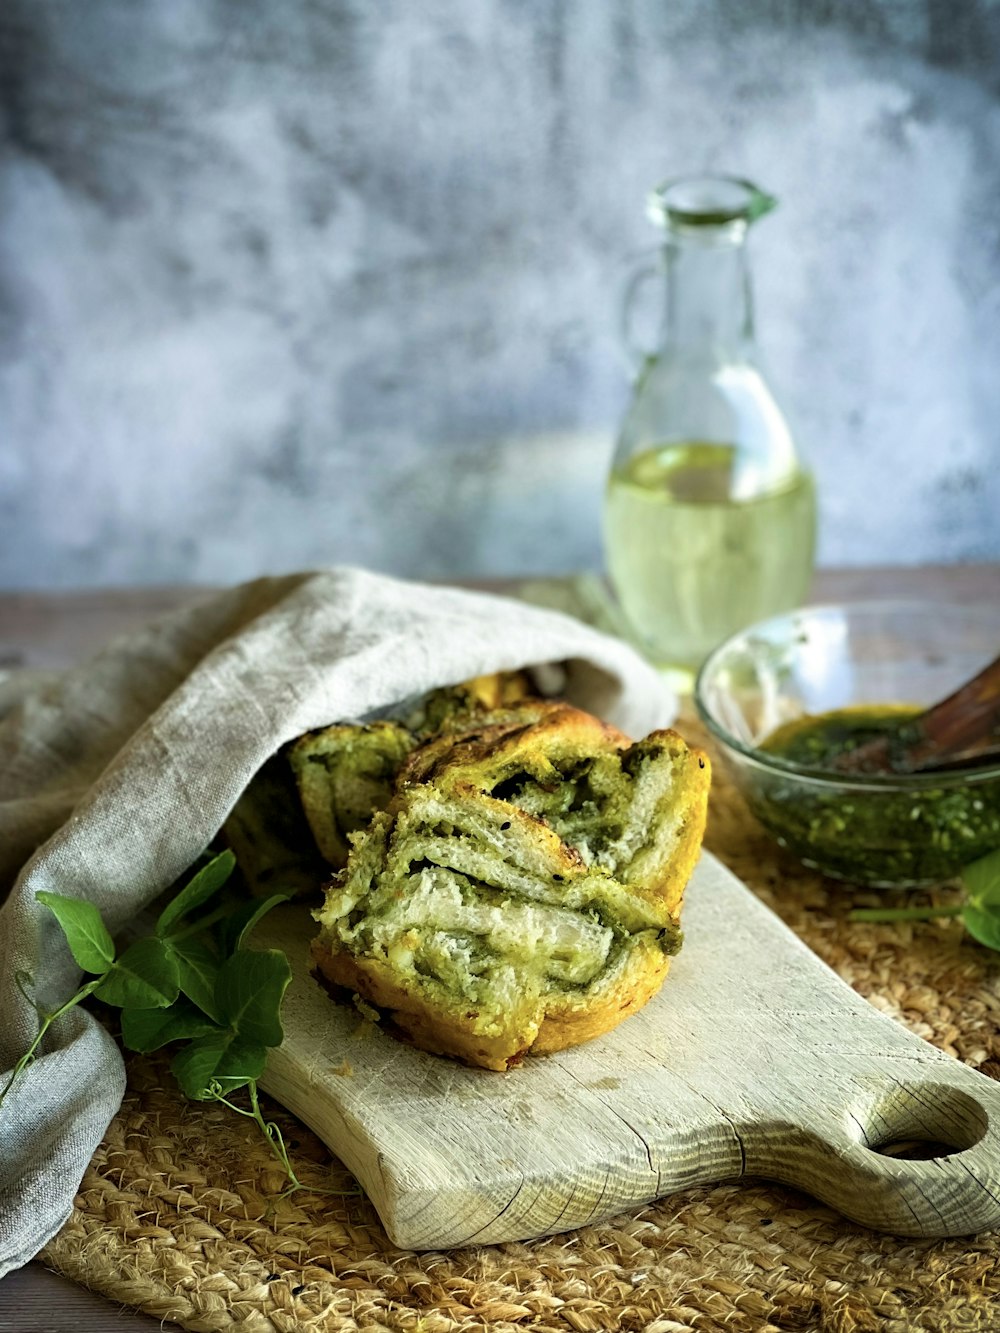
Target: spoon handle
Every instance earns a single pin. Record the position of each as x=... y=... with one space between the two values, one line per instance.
x=962 y=728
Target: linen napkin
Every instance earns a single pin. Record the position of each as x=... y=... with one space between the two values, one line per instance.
x=115 y=776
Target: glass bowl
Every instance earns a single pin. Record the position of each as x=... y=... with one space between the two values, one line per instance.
x=891 y=831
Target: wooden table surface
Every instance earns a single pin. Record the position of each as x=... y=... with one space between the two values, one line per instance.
x=52 y=630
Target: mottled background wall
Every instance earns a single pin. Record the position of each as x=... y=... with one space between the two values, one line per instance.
x=324 y=280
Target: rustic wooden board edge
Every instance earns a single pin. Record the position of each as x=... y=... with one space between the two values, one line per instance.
x=451 y=1156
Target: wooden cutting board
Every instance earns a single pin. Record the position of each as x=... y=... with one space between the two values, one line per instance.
x=754 y=1060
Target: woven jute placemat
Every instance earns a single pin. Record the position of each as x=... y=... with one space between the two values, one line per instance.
x=179 y=1216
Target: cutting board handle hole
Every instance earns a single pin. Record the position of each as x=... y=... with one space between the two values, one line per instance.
x=920 y=1121
x=915 y=1150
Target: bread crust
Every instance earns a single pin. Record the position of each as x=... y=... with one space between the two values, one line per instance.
x=564 y=1021
x=568 y=1023
x=426 y=1024
x=473 y=758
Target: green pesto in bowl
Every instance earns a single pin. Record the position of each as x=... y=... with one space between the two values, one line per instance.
x=891 y=830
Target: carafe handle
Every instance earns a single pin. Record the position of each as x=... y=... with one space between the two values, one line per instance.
x=636 y=354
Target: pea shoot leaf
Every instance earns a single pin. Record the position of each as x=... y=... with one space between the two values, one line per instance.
x=981 y=911
x=222 y=1057
x=240 y=923
x=242 y=1063
x=146 y=976
x=86 y=934
x=149 y=1029
x=185 y=983
x=202 y=886
x=249 y=992
x=982 y=881
x=194 y=1066
x=197 y=972
x=982 y=925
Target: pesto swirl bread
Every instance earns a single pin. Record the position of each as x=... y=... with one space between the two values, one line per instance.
x=521 y=889
x=346 y=772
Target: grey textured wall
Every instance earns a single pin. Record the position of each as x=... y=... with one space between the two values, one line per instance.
x=323 y=280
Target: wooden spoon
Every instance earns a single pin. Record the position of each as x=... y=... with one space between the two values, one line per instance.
x=962 y=729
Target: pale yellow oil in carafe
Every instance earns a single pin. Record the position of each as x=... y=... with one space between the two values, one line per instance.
x=691 y=563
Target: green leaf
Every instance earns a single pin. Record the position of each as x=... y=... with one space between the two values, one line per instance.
x=982 y=880
x=223 y=1058
x=207 y=882
x=198 y=970
x=983 y=926
x=249 y=992
x=145 y=977
x=239 y=925
x=242 y=1062
x=194 y=1066
x=86 y=934
x=149 y=1029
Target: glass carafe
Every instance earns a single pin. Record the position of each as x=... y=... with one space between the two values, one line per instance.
x=710 y=516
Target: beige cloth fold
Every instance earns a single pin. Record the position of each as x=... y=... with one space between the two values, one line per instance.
x=115 y=776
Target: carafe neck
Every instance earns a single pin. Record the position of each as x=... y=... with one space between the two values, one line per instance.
x=708 y=300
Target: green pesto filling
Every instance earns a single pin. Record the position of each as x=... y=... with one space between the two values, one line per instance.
x=587 y=802
x=462 y=937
